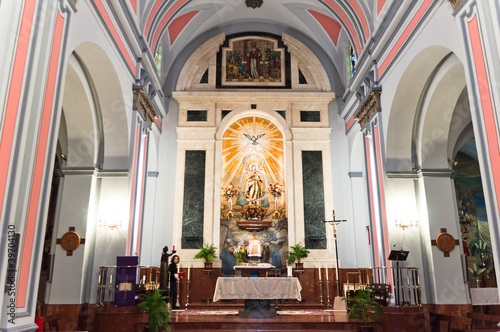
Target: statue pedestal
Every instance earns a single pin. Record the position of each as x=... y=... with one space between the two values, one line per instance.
x=254 y=225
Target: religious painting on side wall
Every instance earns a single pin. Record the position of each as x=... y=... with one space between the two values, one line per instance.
x=474 y=227
x=253 y=61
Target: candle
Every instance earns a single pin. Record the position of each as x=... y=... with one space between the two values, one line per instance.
x=319 y=273
x=173 y=248
x=189 y=271
x=289 y=270
x=326 y=267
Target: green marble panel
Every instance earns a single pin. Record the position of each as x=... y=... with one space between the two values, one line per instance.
x=314 y=199
x=310 y=116
x=196 y=115
x=194 y=197
x=282 y=113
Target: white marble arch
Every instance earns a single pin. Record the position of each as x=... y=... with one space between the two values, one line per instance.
x=301 y=58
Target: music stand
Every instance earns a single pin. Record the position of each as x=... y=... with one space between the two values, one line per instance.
x=398 y=256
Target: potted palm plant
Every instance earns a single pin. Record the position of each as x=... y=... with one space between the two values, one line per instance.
x=296 y=254
x=207 y=252
x=364 y=306
x=155 y=305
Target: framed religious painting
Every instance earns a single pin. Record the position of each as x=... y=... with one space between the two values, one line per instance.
x=253 y=61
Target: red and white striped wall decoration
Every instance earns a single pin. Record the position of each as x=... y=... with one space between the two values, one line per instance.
x=331 y=26
x=137 y=138
x=485 y=95
x=343 y=17
x=350 y=123
x=372 y=201
x=177 y=25
x=380 y=5
x=133 y=3
x=141 y=203
x=403 y=37
x=361 y=17
x=41 y=156
x=156 y=32
x=116 y=36
x=14 y=95
x=381 y=187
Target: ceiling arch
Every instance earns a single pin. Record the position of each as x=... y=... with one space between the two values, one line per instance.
x=161 y=19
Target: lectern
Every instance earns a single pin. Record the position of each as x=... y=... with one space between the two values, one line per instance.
x=398 y=256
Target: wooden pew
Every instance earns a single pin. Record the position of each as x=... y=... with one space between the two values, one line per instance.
x=453 y=324
x=483 y=320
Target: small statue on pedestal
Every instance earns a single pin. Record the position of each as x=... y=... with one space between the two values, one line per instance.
x=164 y=267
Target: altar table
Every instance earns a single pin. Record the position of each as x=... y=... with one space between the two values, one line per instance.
x=257 y=288
x=484 y=296
x=246 y=270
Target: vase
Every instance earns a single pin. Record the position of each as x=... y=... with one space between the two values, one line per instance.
x=230 y=202
x=478 y=282
x=276 y=213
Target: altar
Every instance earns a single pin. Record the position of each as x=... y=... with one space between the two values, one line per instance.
x=247 y=270
x=257 y=288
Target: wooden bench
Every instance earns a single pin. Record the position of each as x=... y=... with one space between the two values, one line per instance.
x=453 y=324
x=484 y=320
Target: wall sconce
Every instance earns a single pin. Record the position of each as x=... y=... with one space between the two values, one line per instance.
x=112 y=221
x=404 y=224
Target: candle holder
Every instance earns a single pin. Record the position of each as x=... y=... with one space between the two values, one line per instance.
x=328 y=304
x=187 y=296
x=321 y=291
x=178 y=304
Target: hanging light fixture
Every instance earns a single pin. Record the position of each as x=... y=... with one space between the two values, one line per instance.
x=254 y=3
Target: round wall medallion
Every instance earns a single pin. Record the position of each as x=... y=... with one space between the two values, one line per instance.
x=70 y=241
x=445 y=242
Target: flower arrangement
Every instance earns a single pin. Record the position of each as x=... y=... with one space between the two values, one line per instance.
x=276 y=189
x=239 y=252
x=253 y=211
x=230 y=191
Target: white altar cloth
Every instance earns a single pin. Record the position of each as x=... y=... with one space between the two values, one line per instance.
x=257 y=288
x=484 y=296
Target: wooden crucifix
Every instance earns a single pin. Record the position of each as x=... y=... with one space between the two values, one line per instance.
x=334 y=224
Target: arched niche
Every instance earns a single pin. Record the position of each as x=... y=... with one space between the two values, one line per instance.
x=109 y=105
x=405 y=105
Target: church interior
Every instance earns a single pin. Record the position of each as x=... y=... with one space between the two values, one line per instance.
x=259 y=161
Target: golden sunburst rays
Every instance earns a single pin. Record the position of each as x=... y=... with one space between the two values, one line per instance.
x=252 y=136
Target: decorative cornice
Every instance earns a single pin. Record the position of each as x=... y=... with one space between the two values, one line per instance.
x=144 y=105
x=455 y=3
x=370 y=106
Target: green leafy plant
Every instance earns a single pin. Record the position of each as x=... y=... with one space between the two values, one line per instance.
x=479 y=247
x=476 y=271
x=364 y=306
x=297 y=253
x=155 y=305
x=207 y=252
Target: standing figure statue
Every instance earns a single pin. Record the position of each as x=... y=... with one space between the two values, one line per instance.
x=253 y=61
x=164 y=267
x=255 y=186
